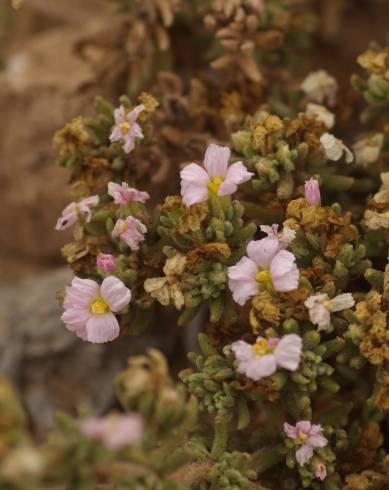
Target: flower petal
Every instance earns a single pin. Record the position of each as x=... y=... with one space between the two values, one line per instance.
x=242 y=350
x=288 y=352
x=115 y=293
x=241 y=280
x=290 y=431
x=342 y=302
x=194 y=182
x=317 y=441
x=102 y=328
x=263 y=251
x=284 y=272
x=216 y=160
x=236 y=174
x=304 y=454
x=80 y=293
x=261 y=367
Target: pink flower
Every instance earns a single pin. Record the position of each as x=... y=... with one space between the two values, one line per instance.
x=320 y=307
x=308 y=436
x=123 y=194
x=106 y=262
x=266 y=267
x=264 y=357
x=131 y=230
x=115 y=431
x=283 y=238
x=89 y=308
x=312 y=192
x=126 y=128
x=320 y=470
x=72 y=210
x=217 y=178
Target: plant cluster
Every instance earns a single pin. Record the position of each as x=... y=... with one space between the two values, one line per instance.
x=277 y=243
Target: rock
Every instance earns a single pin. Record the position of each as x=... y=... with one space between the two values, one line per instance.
x=50 y=79
x=50 y=366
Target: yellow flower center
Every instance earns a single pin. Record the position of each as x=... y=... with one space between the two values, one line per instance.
x=124 y=127
x=327 y=304
x=263 y=278
x=302 y=436
x=261 y=348
x=122 y=227
x=99 y=306
x=214 y=185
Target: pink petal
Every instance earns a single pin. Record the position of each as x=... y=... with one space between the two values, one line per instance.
x=261 y=367
x=80 y=293
x=116 y=134
x=304 y=454
x=263 y=251
x=241 y=280
x=284 y=272
x=242 y=350
x=194 y=182
x=216 y=160
x=136 y=131
x=134 y=114
x=102 y=328
x=316 y=429
x=304 y=426
x=75 y=320
x=115 y=293
x=129 y=143
x=288 y=352
x=237 y=173
x=66 y=221
x=119 y=114
x=317 y=441
x=290 y=431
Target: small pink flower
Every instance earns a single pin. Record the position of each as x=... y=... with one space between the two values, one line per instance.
x=131 y=230
x=217 y=178
x=72 y=210
x=320 y=307
x=264 y=357
x=126 y=128
x=320 y=470
x=266 y=267
x=89 y=308
x=312 y=192
x=283 y=238
x=123 y=194
x=115 y=431
x=106 y=262
x=308 y=436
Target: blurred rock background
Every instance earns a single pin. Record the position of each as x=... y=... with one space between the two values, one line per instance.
x=56 y=56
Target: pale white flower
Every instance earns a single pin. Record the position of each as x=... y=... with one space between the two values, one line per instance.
x=319 y=87
x=321 y=114
x=320 y=307
x=334 y=148
x=368 y=149
x=262 y=359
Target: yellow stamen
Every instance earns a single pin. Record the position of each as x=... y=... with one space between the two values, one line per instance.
x=122 y=227
x=125 y=127
x=302 y=436
x=264 y=280
x=260 y=348
x=99 y=306
x=214 y=185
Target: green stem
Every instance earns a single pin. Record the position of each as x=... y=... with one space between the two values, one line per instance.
x=220 y=437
